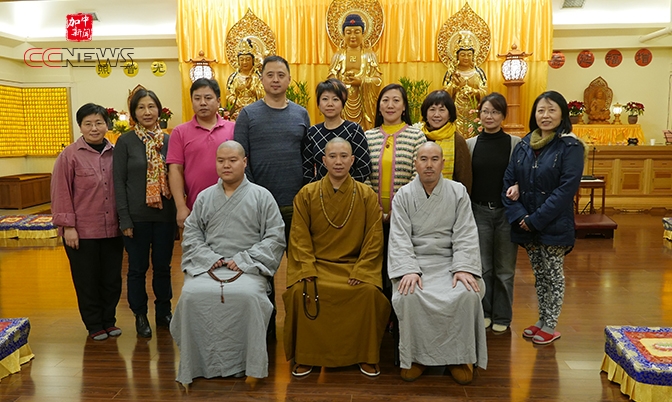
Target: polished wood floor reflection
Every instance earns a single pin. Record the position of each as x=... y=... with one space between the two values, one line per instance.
x=622 y=281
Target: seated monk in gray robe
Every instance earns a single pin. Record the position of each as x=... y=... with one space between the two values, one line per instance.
x=336 y=252
x=435 y=267
x=232 y=247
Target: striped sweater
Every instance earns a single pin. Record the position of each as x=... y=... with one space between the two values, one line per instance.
x=406 y=149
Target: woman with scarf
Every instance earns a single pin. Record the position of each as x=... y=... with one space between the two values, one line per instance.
x=438 y=116
x=146 y=209
x=547 y=165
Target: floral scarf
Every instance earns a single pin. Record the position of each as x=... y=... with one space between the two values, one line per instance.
x=445 y=137
x=157 y=172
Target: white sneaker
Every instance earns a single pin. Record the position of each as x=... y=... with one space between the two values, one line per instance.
x=499 y=328
x=487 y=322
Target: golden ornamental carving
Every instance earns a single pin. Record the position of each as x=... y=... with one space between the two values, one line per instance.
x=463 y=29
x=250 y=30
x=371 y=12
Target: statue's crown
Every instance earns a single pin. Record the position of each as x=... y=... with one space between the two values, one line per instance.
x=465 y=42
x=245 y=47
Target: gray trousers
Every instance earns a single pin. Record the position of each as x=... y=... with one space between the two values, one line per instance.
x=498 y=258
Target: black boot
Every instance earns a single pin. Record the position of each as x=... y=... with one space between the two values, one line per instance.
x=142 y=326
x=164 y=321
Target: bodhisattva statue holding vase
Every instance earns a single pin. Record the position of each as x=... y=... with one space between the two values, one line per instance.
x=465 y=82
x=244 y=85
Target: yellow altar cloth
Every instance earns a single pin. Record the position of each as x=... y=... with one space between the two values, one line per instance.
x=608 y=134
x=640 y=360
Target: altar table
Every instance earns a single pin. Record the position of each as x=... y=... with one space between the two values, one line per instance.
x=608 y=134
x=14 y=348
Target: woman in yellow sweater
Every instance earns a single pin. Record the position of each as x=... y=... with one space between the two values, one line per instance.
x=393 y=146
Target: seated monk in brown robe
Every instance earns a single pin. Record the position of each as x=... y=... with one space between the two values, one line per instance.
x=336 y=252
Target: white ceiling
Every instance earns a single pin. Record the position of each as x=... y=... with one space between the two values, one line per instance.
x=155 y=19
x=30 y=20
x=612 y=13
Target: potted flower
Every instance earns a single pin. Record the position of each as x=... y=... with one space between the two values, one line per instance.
x=474 y=126
x=576 y=109
x=113 y=115
x=473 y=120
x=634 y=109
x=121 y=127
x=166 y=114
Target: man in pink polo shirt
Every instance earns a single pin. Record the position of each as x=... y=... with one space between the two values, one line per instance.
x=193 y=147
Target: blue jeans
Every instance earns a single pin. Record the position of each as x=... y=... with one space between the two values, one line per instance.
x=498 y=258
x=157 y=239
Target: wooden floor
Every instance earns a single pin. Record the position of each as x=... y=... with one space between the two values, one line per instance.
x=622 y=281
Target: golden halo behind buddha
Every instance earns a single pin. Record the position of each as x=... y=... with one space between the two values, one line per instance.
x=249 y=30
x=464 y=29
x=371 y=12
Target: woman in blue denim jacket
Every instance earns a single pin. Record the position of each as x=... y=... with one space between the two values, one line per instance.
x=547 y=166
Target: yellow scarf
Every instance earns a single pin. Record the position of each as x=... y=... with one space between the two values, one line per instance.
x=445 y=137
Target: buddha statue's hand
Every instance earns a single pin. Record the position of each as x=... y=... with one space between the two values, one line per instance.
x=458 y=80
x=243 y=81
x=355 y=81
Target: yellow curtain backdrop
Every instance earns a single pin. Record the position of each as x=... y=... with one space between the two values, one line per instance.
x=407 y=46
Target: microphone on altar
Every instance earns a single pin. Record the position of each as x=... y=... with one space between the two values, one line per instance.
x=591 y=176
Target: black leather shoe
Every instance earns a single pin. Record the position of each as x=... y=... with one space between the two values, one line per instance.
x=164 y=321
x=142 y=326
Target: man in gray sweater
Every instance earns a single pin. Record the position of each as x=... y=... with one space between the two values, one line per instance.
x=272 y=131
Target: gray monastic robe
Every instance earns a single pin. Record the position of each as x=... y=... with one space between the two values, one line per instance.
x=221 y=339
x=436 y=237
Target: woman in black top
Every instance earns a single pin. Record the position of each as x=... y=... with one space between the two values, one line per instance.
x=331 y=97
x=146 y=209
x=490 y=154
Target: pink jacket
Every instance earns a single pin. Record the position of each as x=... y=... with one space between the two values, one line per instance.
x=82 y=191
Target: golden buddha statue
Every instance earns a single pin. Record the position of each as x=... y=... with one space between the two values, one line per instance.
x=357 y=67
x=244 y=85
x=598 y=108
x=465 y=82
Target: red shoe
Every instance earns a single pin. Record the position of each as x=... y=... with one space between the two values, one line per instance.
x=531 y=331
x=544 y=338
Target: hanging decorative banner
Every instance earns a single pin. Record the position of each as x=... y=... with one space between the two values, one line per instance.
x=557 y=60
x=159 y=68
x=103 y=69
x=643 y=57
x=585 y=59
x=131 y=68
x=613 y=58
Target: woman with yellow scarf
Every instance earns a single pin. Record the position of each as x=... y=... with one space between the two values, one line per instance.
x=438 y=116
